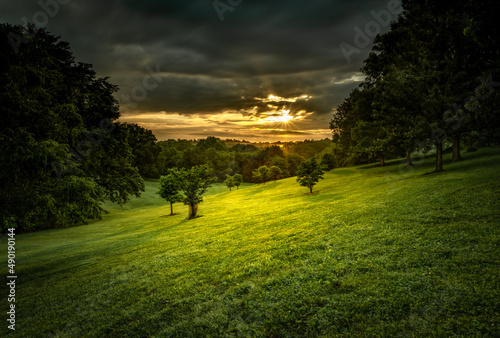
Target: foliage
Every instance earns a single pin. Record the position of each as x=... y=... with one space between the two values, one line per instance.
x=229 y=182
x=239 y=158
x=262 y=174
x=194 y=183
x=233 y=181
x=309 y=173
x=328 y=161
x=422 y=85
x=169 y=189
x=237 y=180
x=144 y=148
x=62 y=154
x=275 y=173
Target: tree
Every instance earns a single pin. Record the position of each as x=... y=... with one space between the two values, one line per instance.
x=292 y=162
x=275 y=173
x=345 y=126
x=61 y=149
x=237 y=179
x=194 y=183
x=145 y=149
x=261 y=175
x=328 y=161
x=169 y=189
x=309 y=173
x=229 y=182
x=427 y=66
x=280 y=162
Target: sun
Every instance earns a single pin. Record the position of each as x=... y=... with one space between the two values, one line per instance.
x=282 y=116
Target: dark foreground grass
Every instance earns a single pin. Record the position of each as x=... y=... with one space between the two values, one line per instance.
x=374 y=252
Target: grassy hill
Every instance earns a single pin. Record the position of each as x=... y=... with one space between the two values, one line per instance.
x=375 y=251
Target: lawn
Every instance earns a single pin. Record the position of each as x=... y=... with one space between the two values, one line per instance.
x=375 y=251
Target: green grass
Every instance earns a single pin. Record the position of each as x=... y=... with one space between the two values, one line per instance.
x=373 y=252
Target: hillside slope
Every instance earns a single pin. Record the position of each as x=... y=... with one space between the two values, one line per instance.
x=374 y=251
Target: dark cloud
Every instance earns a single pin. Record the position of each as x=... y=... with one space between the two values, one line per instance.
x=208 y=66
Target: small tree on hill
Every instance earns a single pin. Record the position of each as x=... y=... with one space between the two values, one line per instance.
x=261 y=175
x=275 y=173
x=309 y=173
x=237 y=179
x=194 y=183
x=169 y=190
x=229 y=182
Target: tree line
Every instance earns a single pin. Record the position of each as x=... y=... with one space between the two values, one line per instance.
x=429 y=85
x=155 y=158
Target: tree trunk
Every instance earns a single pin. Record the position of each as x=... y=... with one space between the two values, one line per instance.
x=311 y=189
x=382 y=160
x=193 y=209
x=456 y=148
x=171 y=208
x=408 y=159
x=439 y=157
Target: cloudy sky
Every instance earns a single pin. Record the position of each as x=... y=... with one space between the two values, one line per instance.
x=245 y=69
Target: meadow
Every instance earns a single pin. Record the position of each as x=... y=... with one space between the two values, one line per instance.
x=374 y=251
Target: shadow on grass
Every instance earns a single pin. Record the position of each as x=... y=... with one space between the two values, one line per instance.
x=174 y=214
x=258 y=190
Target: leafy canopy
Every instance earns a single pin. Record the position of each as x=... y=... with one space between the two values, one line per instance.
x=61 y=149
x=309 y=173
x=169 y=189
x=194 y=183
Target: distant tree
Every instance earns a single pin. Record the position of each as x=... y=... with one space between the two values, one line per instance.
x=229 y=182
x=169 y=189
x=275 y=173
x=237 y=179
x=293 y=161
x=309 y=173
x=261 y=175
x=211 y=143
x=144 y=148
x=351 y=130
x=192 y=157
x=269 y=152
x=328 y=161
x=280 y=162
x=169 y=157
x=244 y=148
x=194 y=183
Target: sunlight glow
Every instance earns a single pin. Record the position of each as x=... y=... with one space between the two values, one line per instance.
x=275 y=98
x=282 y=117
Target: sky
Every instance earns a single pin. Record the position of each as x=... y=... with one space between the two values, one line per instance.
x=250 y=70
